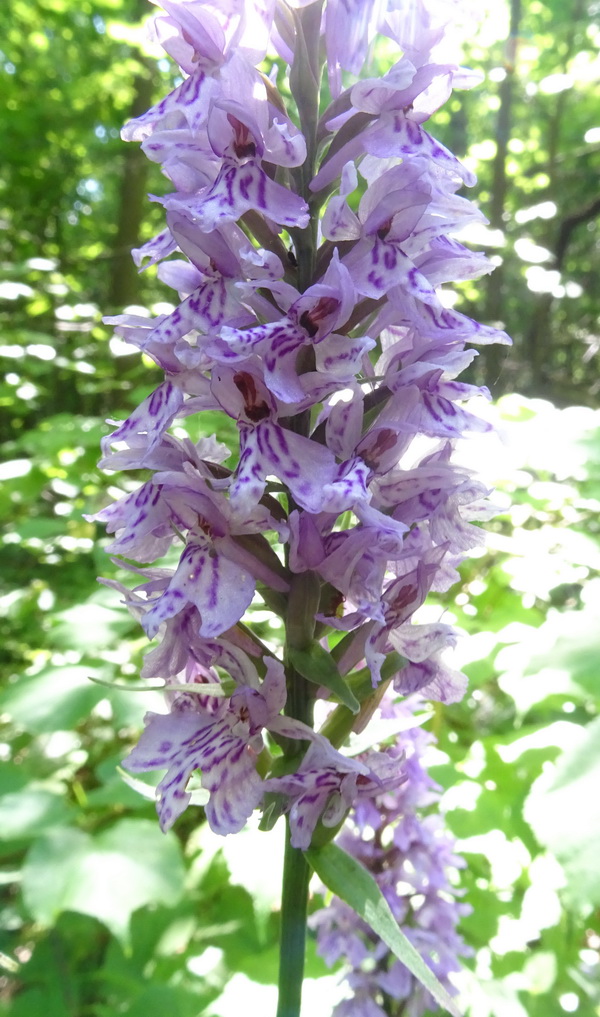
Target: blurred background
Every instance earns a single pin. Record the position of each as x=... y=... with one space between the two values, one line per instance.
x=101 y=914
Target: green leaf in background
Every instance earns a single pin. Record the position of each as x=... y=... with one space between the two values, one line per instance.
x=318 y=666
x=108 y=875
x=49 y=1001
x=351 y=882
x=92 y=625
x=27 y=813
x=158 y=1000
x=571 y=645
x=564 y=812
x=56 y=699
x=52 y=981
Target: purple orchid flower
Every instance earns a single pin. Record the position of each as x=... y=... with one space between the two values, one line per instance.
x=326 y=785
x=305 y=244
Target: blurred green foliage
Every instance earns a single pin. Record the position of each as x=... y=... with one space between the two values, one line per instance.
x=101 y=914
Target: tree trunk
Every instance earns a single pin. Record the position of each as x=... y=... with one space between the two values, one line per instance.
x=124 y=279
x=538 y=337
x=493 y=357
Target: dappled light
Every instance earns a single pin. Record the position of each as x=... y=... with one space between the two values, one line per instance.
x=187 y=923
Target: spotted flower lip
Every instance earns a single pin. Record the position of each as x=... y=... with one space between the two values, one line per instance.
x=222 y=737
x=326 y=785
x=311 y=322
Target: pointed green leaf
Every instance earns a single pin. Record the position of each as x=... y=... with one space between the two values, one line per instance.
x=318 y=666
x=351 y=882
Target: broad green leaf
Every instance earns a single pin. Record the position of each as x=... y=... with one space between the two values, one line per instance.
x=107 y=876
x=156 y=1000
x=36 y=1001
x=318 y=666
x=89 y=626
x=564 y=812
x=28 y=812
x=571 y=645
x=56 y=699
x=351 y=882
x=56 y=988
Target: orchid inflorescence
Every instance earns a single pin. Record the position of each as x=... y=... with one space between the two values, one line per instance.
x=313 y=221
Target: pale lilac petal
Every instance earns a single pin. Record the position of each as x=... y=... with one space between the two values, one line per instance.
x=143 y=522
x=188 y=104
x=284 y=144
x=349 y=29
x=348 y=488
x=379 y=267
x=204 y=310
x=323 y=787
x=186 y=740
x=161 y=246
x=190 y=164
x=180 y=641
x=278 y=343
x=372 y=94
x=146 y=425
x=437 y=415
x=191 y=35
x=303 y=465
x=229 y=773
x=418 y=642
x=175 y=741
x=219 y=588
x=344 y=424
x=395 y=134
x=432 y=679
x=238 y=189
x=341 y=355
x=180 y=276
x=339 y=221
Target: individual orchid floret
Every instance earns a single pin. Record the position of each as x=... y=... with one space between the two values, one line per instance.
x=147 y=424
x=242 y=183
x=311 y=322
x=386 y=122
x=220 y=589
x=354 y=562
x=393 y=235
x=215 y=44
x=221 y=737
x=310 y=471
x=400 y=600
x=326 y=785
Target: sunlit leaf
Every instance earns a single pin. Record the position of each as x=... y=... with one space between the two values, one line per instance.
x=107 y=876
x=564 y=812
x=56 y=699
x=351 y=882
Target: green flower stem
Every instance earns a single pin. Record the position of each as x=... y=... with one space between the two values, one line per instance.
x=305 y=80
x=296 y=875
x=305 y=589
x=294 y=906
x=302 y=604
